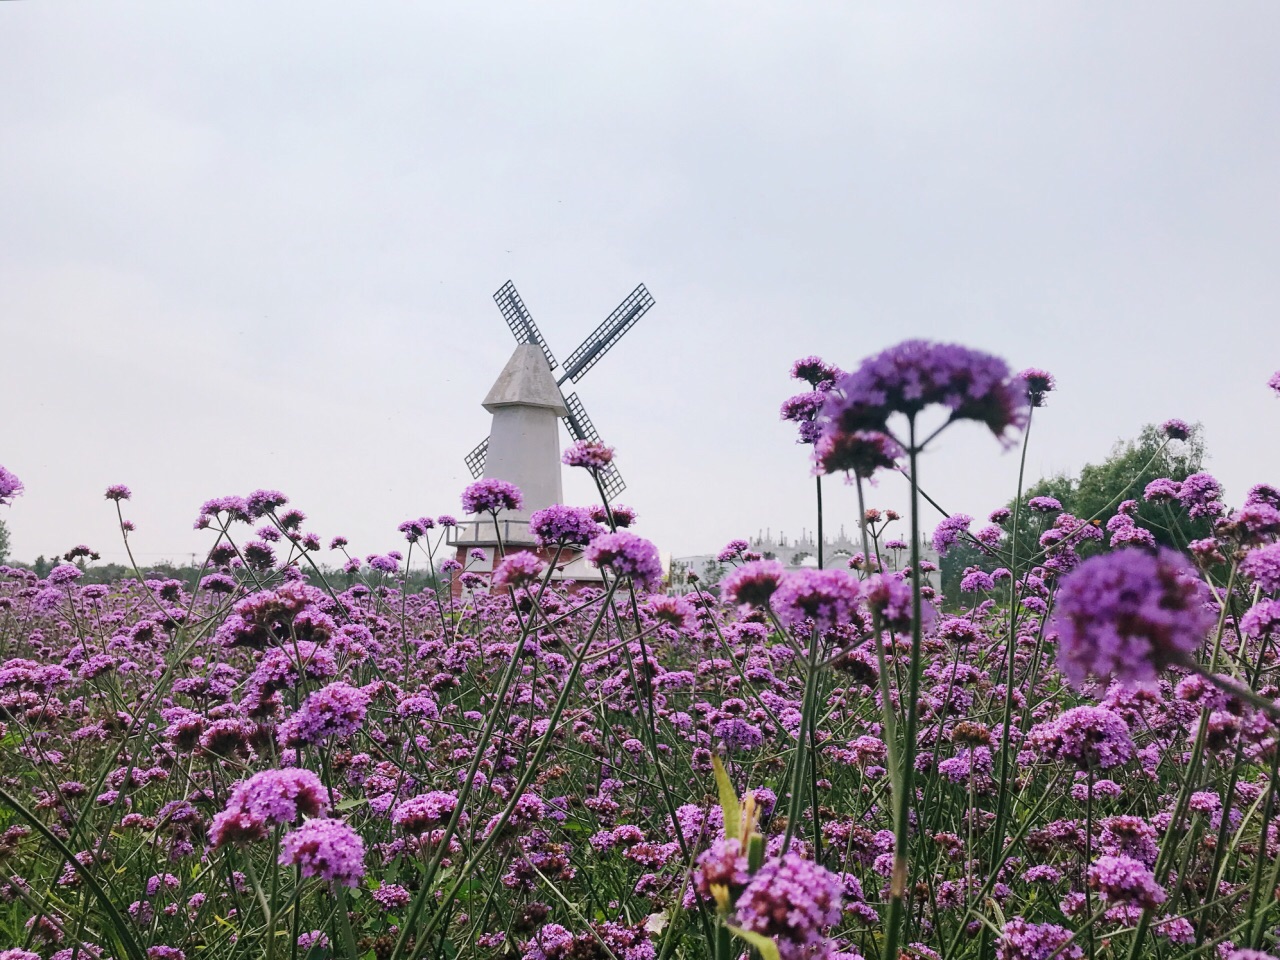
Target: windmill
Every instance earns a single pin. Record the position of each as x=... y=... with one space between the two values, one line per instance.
x=587 y=355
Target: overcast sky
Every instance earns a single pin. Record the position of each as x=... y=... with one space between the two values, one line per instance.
x=254 y=245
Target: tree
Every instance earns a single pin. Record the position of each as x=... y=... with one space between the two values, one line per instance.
x=4 y=542
x=1101 y=487
x=1094 y=495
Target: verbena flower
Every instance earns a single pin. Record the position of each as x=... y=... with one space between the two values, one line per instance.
x=591 y=454
x=828 y=597
x=425 y=812
x=558 y=525
x=1088 y=737
x=490 y=496
x=337 y=710
x=948 y=531
x=1123 y=880
x=10 y=486
x=518 y=570
x=795 y=903
x=118 y=491
x=916 y=374
x=1176 y=429
x=1020 y=940
x=1127 y=615
x=1262 y=566
x=328 y=849
x=752 y=584
x=814 y=371
x=860 y=452
x=1040 y=384
x=626 y=555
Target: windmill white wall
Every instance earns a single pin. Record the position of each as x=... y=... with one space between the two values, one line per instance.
x=524 y=441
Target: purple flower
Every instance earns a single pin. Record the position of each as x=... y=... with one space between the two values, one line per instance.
x=1261 y=619
x=1201 y=494
x=860 y=452
x=10 y=486
x=1123 y=880
x=337 y=710
x=262 y=502
x=1262 y=566
x=1039 y=383
x=752 y=584
x=591 y=454
x=392 y=896
x=724 y=864
x=794 y=902
x=1176 y=429
x=328 y=849
x=425 y=812
x=889 y=598
x=1045 y=504
x=828 y=597
x=627 y=556
x=518 y=570
x=280 y=796
x=118 y=491
x=949 y=530
x=1126 y=615
x=916 y=374
x=1020 y=940
x=1274 y=382
x=1085 y=736
x=561 y=525
x=738 y=735
x=622 y=516
x=814 y=371
x=1244 y=954
x=1163 y=490
x=490 y=496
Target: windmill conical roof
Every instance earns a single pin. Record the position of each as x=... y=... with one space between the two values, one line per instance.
x=526 y=380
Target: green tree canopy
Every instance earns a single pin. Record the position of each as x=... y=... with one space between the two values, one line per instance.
x=1095 y=493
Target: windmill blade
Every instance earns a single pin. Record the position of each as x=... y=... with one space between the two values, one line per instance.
x=581 y=428
x=623 y=318
x=475 y=460
x=518 y=319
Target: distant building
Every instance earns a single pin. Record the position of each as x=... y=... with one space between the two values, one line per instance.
x=797 y=553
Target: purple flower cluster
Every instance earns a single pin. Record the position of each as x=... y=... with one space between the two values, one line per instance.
x=948 y=531
x=1123 y=880
x=1262 y=566
x=1020 y=940
x=916 y=374
x=518 y=570
x=425 y=811
x=491 y=496
x=1088 y=737
x=827 y=597
x=1040 y=383
x=626 y=555
x=268 y=798
x=857 y=452
x=559 y=525
x=794 y=902
x=591 y=454
x=752 y=584
x=328 y=849
x=1126 y=615
x=337 y=710
x=10 y=486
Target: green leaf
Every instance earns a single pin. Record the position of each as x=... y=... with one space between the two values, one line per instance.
x=728 y=800
x=767 y=948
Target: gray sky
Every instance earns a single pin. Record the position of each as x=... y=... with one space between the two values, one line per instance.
x=253 y=245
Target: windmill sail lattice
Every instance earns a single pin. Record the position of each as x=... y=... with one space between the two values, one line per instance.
x=587 y=355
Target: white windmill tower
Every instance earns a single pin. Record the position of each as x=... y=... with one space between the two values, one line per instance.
x=523 y=446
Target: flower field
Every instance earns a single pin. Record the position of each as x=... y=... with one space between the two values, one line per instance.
x=1075 y=755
